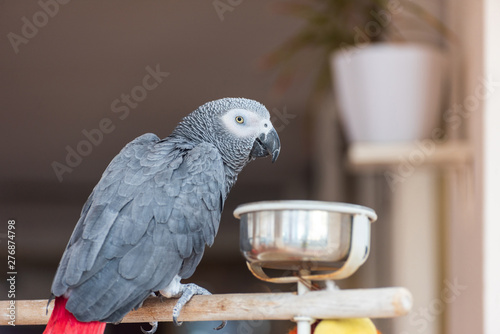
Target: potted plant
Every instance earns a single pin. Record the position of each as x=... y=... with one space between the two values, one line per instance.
x=385 y=90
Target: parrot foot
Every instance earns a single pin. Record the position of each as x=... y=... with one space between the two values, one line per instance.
x=154 y=324
x=188 y=291
x=154 y=327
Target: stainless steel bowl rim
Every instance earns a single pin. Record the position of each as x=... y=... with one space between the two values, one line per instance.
x=338 y=207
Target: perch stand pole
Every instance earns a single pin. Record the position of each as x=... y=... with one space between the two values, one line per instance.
x=303 y=322
x=324 y=304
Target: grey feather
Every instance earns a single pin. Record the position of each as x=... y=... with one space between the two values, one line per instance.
x=105 y=231
x=156 y=206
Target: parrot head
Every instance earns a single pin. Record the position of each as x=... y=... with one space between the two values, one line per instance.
x=240 y=128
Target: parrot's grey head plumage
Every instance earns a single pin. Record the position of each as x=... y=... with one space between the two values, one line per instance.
x=240 y=128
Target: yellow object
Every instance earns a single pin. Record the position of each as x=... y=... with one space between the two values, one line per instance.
x=346 y=326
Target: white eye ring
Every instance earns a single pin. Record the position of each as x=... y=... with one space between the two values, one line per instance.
x=239 y=119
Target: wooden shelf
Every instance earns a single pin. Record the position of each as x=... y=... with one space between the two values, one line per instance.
x=373 y=156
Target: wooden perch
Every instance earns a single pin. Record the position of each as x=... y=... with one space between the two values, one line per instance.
x=373 y=303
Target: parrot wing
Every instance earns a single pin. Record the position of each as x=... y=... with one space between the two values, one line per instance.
x=148 y=219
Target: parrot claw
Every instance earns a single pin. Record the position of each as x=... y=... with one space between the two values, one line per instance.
x=154 y=327
x=187 y=292
x=221 y=326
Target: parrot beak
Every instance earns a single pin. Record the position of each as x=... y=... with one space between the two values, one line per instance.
x=266 y=144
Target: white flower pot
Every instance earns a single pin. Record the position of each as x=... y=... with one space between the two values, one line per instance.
x=388 y=92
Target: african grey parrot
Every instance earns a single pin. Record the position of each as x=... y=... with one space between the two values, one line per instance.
x=145 y=225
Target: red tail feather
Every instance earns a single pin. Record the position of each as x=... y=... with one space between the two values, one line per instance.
x=63 y=322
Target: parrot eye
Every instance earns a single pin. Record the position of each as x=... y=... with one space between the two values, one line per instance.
x=240 y=119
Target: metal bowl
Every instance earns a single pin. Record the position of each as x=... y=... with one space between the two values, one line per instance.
x=302 y=236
